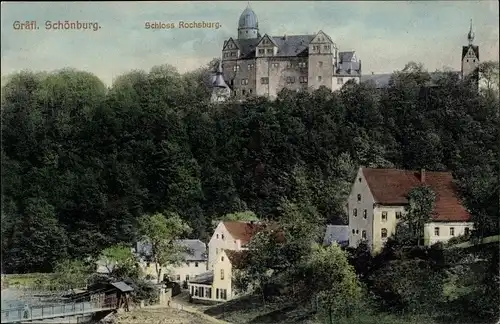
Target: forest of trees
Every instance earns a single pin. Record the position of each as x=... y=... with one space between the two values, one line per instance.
x=81 y=162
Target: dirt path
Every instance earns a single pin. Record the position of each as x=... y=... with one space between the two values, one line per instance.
x=165 y=315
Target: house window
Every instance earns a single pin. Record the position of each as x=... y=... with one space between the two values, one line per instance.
x=148 y=264
x=340 y=80
x=359 y=197
x=223 y=294
x=466 y=231
x=196 y=291
x=436 y=231
x=233 y=53
x=208 y=293
x=302 y=64
x=225 y=54
x=269 y=51
x=474 y=61
x=363 y=235
x=359 y=179
x=221 y=274
x=264 y=80
x=384 y=216
x=383 y=232
x=275 y=65
x=290 y=80
x=315 y=48
x=452 y=231
x=353 y=231
x=261 y=51
x=217 y=236
x=178 y=278
x=365 y=214
x=243 y=92
x=196 y=264
x=192 y=290
x=303 y=79
x=398 y=215
x=319 y=78
x=250 y=67
x=244 y=81
x=222 y=236
x=355 y=212
x=236 y=68
x=187 y=277
x=357 y=232
x=232 y=82
x=217 y=293
x=222 y=258
x=250 y=91
x=326 y=47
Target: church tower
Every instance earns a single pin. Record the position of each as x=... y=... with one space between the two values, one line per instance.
x=470 y=58
x=248 y=25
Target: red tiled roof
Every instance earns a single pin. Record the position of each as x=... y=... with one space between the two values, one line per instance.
x=238 y=259
x=242 y=231
x=391 y=187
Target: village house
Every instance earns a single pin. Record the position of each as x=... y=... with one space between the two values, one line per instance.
x=195 y=262
x=378 y=200
x=218 y=285
x=336 y=234
x=230 y=235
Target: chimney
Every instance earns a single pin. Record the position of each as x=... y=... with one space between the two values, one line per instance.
x=422 y=175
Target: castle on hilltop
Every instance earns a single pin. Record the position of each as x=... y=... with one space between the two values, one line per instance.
x=262 y=65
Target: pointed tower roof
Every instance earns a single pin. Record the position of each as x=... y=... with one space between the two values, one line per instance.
x=218 y=80
x=470 y=35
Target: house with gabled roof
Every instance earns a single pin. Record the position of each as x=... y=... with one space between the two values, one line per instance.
x=218 y=285
x=231 y=235
x=378 y=200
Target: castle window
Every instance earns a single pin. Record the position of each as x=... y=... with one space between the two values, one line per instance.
x=236 y=68
x=340 y=80
x=452 y=231
x=244 y=81
x=359 y=197
x=243 y=92
x=250 y=67
x=261 y=51
x=276 y=65
x=320 y=64
x=398 y=215
x=353 y=231
x=365 y=214
x=319 y=77
x=290 y=80
x=233 y=53
x=384 y=216
x=355 y=212
x=467 y=60
x=436 y=231
x=302 y=64
x=474 y=61
x=357 y=232
x=383 y=232
x=303 y=79
x=269 y=51
x=363 y=235
x=289 y=64
x=264 y=80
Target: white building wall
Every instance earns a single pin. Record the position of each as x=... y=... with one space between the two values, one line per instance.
x=221 y=239
x=188 y=270
x=445 y=232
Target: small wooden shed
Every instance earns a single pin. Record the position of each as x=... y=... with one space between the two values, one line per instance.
x=123 y=294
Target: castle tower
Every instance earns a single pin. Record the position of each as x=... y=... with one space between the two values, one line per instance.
x=248 y=25
x=470 y=58
x=220 y=90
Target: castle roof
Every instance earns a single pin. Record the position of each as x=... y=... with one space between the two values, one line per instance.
x=294 y=45
x=248 y=19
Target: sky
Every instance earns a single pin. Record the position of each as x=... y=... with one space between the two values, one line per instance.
x=385 y=35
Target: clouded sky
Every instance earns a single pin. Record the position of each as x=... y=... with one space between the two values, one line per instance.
x=385 y=35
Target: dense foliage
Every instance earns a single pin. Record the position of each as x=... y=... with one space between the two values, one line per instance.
x=82 y=163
